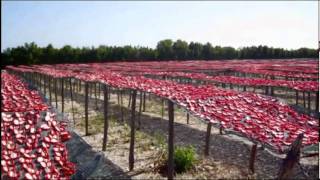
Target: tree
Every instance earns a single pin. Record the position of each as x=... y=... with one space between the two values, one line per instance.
x=180 y=49
x=164 y=49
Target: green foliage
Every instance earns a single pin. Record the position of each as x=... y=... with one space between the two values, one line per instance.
x=184 y=158
x=31 y=53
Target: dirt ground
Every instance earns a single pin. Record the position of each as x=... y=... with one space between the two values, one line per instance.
x=228 y=159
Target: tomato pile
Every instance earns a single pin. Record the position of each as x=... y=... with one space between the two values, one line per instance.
x=32 y=141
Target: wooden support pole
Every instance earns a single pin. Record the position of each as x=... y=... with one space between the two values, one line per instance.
x=291 y=159
x=132 y=134
x=187 y=118
x=50 y=90
x=55 y=92
x=86 y=107
x=162 y=108
x=62 y=95
x=271 y=90
x=99 y=90
x=253 y=154
x=267 y=90
x=144 y=102
x=71 y=96
x=309 y=101
x=317 y=101
x=170 y=140
x=106 y=123
x=207 y=143
x=95 y=95
x=304 y=100
x=121 y=104
x=129 y=99
x=44 y=85
x=140 y=109
x=297 y=97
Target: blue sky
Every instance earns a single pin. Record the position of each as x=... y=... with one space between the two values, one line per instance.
x=80 y=23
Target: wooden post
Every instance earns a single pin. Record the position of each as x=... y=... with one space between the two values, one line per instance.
x=106 y=123
x=50 y=90
x=187 y=118
x=317 y=101
x=244 y=88
x=62 y=95
x=132 y=134
x=297 y=97
x=304 y=100
x=121 y=104
x=144 y=102
x=208 y=134
x=170 y=140
x=309 y=101
x=291 y=159
x=99 y=89
x=86 y=107
x=44 y=85
x=55 y=92
x=140 y=109
x=252 y=157
x=129 y=99
x=95 y=95
x=267 y=90
x=71 y=96
x=162 y=108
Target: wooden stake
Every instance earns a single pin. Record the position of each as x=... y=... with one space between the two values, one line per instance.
x=50 y=90
x=55 y=92
x=95 y=95
x=162 y=108
x=297 y=97
x=208 y=134
x=106 y=123
x=140 y=109
x=129 y=99
x=252 y=157
x=132 y=134
x=187 y=118
x=86 y=107
x=144 y=102
x=71 y=96
x=291 y=159
x=317 y=101
x=304 y=100
x=62 y=95
x=44 y=85
x=121 y=104
x=309 y=101
x=170 y=140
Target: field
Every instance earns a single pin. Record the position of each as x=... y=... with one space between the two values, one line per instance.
x=243 y=118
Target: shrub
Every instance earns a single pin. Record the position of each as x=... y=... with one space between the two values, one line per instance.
x=184 y=158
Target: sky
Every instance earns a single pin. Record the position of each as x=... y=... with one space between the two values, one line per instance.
x=287 y=24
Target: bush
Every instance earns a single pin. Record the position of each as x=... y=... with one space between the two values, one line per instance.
x=184 y=158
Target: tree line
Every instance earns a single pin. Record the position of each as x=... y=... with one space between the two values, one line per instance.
x=31 y=53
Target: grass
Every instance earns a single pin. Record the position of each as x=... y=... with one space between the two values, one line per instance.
x=184 y=158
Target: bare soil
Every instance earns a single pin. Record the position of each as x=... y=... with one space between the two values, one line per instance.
x=229 y=154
